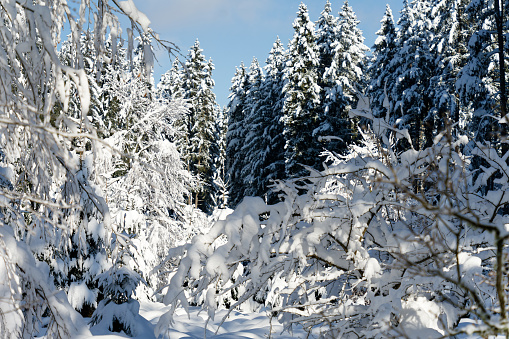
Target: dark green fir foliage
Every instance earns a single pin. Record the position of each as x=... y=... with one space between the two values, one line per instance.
x=271 y=155
x=199 y=124
x=344 y=79
x=236 y=134
x=413 y=66
x=380 y=72
x=479 y=83
x=326 y=36
x=300 y=105
x=302 y=97
x=255 y=130
x=261 y=133
x=453 y=29
x=221 y=184
x=332 y=100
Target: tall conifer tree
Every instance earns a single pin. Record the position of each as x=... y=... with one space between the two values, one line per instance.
x=480 y=80
x=302 y=96
x=171 y=83
x=255 y=134
x=413 y=67
x=221 y=186
x=236 y=134
x=326 y=37
x=450 y=43
x=380 y=72
x=345 y=77
x=271 y=108
x=200 y=133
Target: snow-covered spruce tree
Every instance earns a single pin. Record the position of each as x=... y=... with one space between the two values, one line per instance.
x=452 y=29
x=271 y=107
x=86 y=59
x=302 y=95
x=360 y=254
x=221 y=185
x=217 y=185
x=481 y=79
x=266 y=161
x=118 y=311
x=332 y=100
x=413 y=68
x=170 y=85
x=343 y=77
x=380 y=71
x=200 y=145
x=255 y=131
x=326 y=36
x=235 y=135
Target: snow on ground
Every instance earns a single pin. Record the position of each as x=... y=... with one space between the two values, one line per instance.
x=238 y=325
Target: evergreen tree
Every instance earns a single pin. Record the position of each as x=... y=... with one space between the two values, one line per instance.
x=75 y=267
x=236 y=134
x=200 y=142
x=87 y=61
x=380 y=72
x=396 y=67
x=220 y=178
x=413 y=67
x=349 y=53
x=450 y=44
x=272 y=153
x=255 y=131
x=114 y=75
x=326 y=35
x=332 y=101
x=171 y=83
x=481 y=80
x=118 y=311
x=344 y=77
x=302 y=96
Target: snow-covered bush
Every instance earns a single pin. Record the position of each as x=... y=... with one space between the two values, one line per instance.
x=380 y=244
x=46 y=192
x=118 y=311
x=141 y=174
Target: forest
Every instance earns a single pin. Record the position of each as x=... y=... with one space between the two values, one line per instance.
x=344 y=192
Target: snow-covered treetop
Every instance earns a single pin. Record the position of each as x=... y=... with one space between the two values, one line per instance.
x=304 y=33
x=349 y=52
x=387 y=26
x=326 y=34
x=276 y=60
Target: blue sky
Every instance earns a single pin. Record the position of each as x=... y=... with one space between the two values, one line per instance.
x=231 y=31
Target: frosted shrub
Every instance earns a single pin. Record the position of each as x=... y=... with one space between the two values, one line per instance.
x=119 y=311
x=46 y=197
x=380 y=244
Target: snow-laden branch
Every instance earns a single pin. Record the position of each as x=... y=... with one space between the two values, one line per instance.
x=379 y=243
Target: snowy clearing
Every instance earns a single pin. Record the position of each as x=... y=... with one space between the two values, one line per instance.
x=238 y=325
